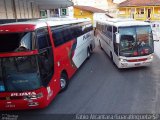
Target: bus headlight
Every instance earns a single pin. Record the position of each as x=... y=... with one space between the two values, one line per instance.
x=150 y=57
x=33 y=97
x=122 y=60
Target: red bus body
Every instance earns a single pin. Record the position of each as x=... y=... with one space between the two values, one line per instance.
x=42 y=96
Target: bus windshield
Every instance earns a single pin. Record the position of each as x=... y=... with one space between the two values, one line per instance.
x=19 y=74
x=136 y=41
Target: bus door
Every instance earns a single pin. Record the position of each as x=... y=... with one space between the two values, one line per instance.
x=46 y=63
x=115 y=47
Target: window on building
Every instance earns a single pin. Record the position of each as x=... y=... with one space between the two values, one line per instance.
x=141 y=11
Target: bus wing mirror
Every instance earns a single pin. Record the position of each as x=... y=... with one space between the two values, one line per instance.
x=117 y=38
x=156 y=40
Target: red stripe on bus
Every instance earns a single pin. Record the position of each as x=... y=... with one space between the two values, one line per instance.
x=137 y=60
x=14 y=54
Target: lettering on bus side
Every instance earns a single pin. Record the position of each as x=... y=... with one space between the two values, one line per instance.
x=23 y=94
x=86 y=36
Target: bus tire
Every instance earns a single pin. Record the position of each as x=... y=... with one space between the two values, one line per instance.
x=100 y=44
x=63 y=81
x=88 y=53
x=91 y=48
x=111 y=56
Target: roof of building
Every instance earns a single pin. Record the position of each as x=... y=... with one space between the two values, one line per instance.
x=129 y=3
x=50 y=4
x=89 y=8
x=124 y=22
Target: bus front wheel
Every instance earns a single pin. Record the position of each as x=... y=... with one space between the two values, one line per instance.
x=111 y=56
x=63 y=82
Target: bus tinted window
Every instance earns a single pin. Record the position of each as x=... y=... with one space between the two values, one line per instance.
x=67 y=34
x=63 y=34
x=109 y=32
x=43 y=38
x=19 y=74
x=114 y=29
x=22 y=42
x=87 y=28
x=45 y=60
x=58 y=37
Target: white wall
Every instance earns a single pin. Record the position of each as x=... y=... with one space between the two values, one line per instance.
x=101 y=4
x=70 y=12
x=118 y=1
x=25 y=9
x=2 y=9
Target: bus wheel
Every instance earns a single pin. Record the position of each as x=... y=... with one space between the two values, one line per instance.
x=111 y=56
x=100 y=44
x=91 y=49
x=88 y=53
x=63 y=82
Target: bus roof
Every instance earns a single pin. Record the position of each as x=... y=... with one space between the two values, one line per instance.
x=64 y=21
x=124 y=22
x=34 y=24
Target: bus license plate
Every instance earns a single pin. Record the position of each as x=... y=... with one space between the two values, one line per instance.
x=137 y=64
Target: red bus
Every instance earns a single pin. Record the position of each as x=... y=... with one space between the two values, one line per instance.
x=38 y=58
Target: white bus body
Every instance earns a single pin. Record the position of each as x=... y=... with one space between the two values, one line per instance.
x=129 y=43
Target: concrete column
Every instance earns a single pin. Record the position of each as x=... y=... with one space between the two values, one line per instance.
x=2 y=10
x=14 y=9
x=48 y=14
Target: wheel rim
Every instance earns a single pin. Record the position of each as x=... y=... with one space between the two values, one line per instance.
x=63 y=83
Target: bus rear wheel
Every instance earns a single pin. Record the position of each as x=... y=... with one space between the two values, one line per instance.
x=63 y=82
x=88 y=53
x=100 y=44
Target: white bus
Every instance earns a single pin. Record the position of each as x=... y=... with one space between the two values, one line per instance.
x=129 y=43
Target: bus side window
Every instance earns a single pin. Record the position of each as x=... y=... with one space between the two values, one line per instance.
x=45 y=57
x=79 y=30
x=114 y=40
x=67 y=35
x=109 y=32
x=88 y=28
x=76 y=30
x=57 y=36
x=43 y=38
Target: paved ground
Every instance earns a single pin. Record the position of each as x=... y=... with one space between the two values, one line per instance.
x=99 y=87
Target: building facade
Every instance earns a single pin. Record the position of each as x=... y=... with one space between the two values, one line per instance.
x=22 y=10
x=89 y=9
x=140 y=9
x=19 y=9
x=86 y=12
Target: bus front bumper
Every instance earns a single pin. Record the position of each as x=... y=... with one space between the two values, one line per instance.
x=21 y=104
x=131 y=62
x=24 y=100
